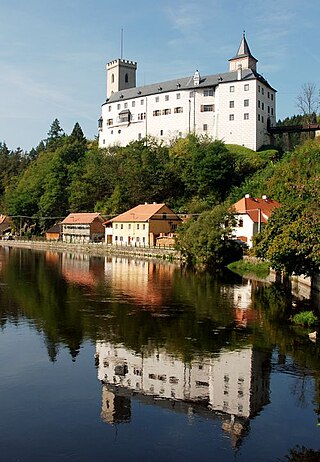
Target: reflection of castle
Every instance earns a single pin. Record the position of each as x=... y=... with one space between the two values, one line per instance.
x=234 y=384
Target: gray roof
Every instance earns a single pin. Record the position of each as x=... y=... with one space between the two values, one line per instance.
x=185 y=83
x=244 y=50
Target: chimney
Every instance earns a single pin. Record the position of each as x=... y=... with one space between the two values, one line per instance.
x=239 y=72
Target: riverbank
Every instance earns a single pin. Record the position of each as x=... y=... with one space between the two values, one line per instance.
x=93 y=248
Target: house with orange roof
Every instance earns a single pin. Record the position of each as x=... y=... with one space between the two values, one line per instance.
x=252 y=214
x=142 y=225
x=81 y=228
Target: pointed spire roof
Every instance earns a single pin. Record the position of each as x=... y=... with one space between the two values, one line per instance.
x=243 y=50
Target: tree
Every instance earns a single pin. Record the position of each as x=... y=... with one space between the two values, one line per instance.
x=205 y=241
x=291 y=239
x=308 y=102
x=55 y=135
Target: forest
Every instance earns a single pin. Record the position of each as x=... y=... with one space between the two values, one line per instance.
x=195 y=176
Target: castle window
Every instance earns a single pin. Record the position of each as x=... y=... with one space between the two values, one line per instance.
x=126 y=78
x=156 y=113
x=246 y=102
x=133 y=104
x=166 y=111
x=268 y=94
x=271 y=97
x=231 y=116
x=262 y=91
x=125 y=105
x=142 y=101
x=208 y=92
x=178 y=95
x=166 y=97
x=161 y=132
x=246 y=116
x=246 y=87
x=139 y=136
x=231 y=104
x=157 y=99
x=205 y=127
x=231 y=89
x=272 y=111
x=118 y=106
x=178 y=110
x=268 y=109
x=110 y=122
x=259 y=88
x=259 y=117
x=109 y=108
x=112 y=78
x=240 y=224
x=191 y=94
x=207 y=108
x=259 y=104
x=262 y=105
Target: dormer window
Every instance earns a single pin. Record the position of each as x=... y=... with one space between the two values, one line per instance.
x=126 y=78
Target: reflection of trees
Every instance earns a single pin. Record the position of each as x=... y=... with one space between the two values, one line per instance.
x=301 y=454
x=195 y=313
x=296 y=354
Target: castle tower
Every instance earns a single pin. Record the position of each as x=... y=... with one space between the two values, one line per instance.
x=243 y=58
x=121 y=74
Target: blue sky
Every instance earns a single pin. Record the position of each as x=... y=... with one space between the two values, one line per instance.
x=53 y=53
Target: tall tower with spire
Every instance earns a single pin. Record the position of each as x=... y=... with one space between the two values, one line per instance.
x=243 y=59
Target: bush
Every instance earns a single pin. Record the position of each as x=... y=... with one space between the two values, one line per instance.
x=304 y=318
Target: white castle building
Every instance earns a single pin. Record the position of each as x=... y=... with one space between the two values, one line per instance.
x=235 y=107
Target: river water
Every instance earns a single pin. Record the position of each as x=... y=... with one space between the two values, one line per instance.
x=116 y=359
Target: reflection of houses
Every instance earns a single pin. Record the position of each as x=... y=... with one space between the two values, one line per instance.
x=82 y=228
x=234 y=384
x=82 y=269
x=146 y=282
x=252 y=214
x=142 y=225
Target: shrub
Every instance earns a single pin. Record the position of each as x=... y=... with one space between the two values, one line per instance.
x=305 y=318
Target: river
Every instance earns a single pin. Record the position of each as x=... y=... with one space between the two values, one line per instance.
x=119 y=359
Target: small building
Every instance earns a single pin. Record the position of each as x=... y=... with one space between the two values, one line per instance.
x=54 y=233
x=142 y=225
x=82 y=228
x=252 y=215
x=5 y=225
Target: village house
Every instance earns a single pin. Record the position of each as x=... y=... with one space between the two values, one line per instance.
x=5 y=225
x=252 y=214
x=236 y=106
x=142 y=225
x=82 y=228
x=54 y=233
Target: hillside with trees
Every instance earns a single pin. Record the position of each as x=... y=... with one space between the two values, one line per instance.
x=195 y=176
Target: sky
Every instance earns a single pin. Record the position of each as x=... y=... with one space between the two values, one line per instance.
x=53 y=53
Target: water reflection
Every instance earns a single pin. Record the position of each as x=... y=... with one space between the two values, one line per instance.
x=193 y=343
x=233 y=385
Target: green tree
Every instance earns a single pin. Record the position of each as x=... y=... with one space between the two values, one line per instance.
x=206 y=243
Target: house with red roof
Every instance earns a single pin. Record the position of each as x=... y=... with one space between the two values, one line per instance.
x=252 y=214
x=81 y=228
x=143 y=225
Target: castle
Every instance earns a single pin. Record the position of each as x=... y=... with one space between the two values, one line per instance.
x=236 y=106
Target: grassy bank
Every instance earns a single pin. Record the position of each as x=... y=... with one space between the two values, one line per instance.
x=248 y=268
